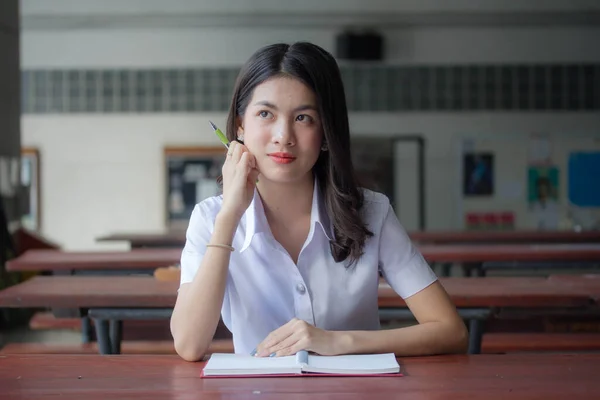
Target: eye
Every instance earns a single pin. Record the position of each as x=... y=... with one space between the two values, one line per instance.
x=304 y=118
x=265 y=114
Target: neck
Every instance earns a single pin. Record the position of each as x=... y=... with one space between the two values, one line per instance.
x=286 y=201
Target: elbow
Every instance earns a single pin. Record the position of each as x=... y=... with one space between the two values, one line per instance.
x=455 y=338
x=188 y=352
x=460 y=342
x=190 y=356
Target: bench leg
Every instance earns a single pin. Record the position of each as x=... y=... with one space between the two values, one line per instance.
x=477 y=270
x=472 y=269
x=116 y=334
x=86 y=330
x=446 y=269
x=102 y=334
x=475 y=335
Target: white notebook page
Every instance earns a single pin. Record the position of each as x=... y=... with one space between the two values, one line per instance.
x=362 y=362
x=225 y=362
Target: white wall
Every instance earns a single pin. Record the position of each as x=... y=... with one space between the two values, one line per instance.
x=102 y=173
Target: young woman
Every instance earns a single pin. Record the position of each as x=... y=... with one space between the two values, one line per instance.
x=290 y=254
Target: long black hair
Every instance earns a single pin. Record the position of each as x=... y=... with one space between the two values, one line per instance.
x=318 y=70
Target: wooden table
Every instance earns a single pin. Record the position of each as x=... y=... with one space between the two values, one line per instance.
x=504 y=237
x=150 y=239
x=510 y=252
x=519 y=256
x=139 y=261
x=177 y=238
x=51 y=260
x=69 y=261
x=588 y=283
x=140 y=297
x=147 y=292
x=516 y=376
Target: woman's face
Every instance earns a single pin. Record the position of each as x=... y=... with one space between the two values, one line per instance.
x=282 y=129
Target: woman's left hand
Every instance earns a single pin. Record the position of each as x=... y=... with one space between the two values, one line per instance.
x=298 y=335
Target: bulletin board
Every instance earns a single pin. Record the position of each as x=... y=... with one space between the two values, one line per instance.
x=191 y=176
x=538 y=178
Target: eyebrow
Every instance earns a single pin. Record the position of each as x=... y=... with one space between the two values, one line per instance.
x=274 y=107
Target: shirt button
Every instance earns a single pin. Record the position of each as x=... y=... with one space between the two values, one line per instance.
x=301 y=288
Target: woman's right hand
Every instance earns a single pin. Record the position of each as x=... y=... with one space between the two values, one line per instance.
x=239 y=180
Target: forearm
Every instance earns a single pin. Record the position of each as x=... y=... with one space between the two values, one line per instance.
x=196 y=313
x=422 y=339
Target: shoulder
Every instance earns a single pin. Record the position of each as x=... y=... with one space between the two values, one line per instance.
x=375 y=207
x=374 y=199
x=211 y=205
x=201 y=223
x=207 y=210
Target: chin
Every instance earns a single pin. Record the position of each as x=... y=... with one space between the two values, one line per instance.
x=286 y=177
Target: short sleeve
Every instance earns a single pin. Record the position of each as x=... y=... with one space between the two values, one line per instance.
x=400 y=262
x=197 y=237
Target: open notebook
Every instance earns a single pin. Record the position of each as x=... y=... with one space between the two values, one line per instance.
x=300 y=364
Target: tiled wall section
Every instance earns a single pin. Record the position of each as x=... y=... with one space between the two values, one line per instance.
x=368 y=88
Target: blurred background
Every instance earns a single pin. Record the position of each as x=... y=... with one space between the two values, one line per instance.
x=468 y=114
x=473 y=116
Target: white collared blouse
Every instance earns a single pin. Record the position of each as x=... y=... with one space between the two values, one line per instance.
x=265 y=289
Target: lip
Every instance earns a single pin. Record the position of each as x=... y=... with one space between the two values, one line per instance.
x=281 y=155
x=282 y=158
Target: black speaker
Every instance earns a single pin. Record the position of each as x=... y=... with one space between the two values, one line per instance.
x=359 y=46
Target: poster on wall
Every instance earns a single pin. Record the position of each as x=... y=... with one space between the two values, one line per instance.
x=584 y=175
x=543 y=189
x=30 y=183
x=540 y=149
x=478 y=174
x=191 y=175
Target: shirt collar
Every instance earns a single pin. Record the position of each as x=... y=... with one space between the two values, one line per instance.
x=318 y=212
x=256 y=220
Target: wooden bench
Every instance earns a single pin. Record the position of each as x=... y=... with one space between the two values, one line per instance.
x=537 y=342
x=46 y=320
x=493 y=343
x=150 y=330
x=127 y=347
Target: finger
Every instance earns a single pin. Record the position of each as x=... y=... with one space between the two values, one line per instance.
x=246 y=172
x=249 y=162
x=294 y=348
x=286 y=346
x=273 y=338
x=254 y=163
x=264 y=349
x=243 y=168
x=253 y=172
x=253 y=175
x=229 y=163
x=238 y=150
x=230 y=149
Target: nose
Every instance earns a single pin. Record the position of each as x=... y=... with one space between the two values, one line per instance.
x=283 y=134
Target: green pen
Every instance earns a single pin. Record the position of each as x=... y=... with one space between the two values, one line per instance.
x=222 y=137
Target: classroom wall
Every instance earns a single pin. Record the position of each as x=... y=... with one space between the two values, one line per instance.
x=133 y=7
x=102 y=173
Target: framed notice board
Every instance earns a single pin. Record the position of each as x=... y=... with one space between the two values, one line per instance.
x=191 y=176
